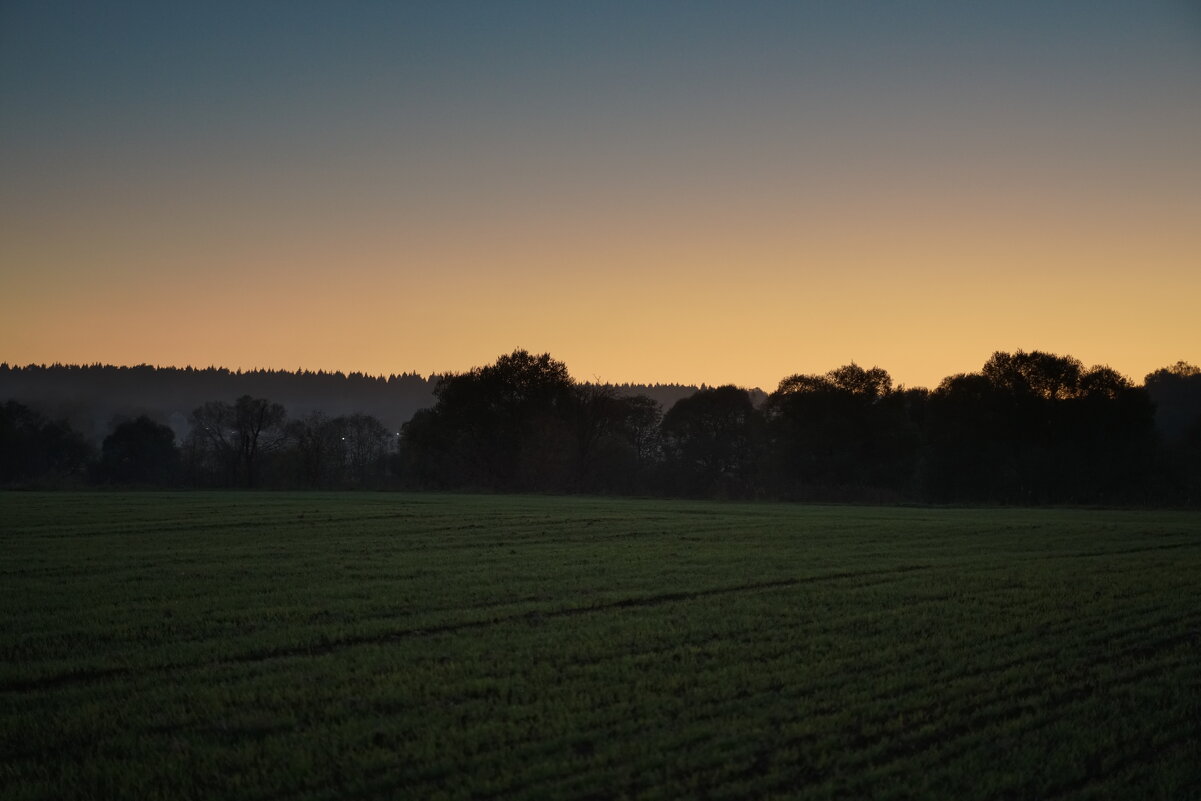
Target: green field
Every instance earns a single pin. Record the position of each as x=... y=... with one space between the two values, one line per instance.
x=268 y=646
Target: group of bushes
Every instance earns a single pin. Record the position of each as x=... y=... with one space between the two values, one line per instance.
x=1029 y=428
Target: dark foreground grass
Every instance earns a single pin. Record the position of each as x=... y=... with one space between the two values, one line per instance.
x=357 y=646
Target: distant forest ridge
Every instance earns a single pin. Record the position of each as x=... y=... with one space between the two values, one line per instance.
x=90 y=397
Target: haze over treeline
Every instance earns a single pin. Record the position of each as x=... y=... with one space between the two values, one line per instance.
x=1027 y=428
x=91 y=397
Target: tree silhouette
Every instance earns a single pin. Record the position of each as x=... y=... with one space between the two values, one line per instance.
x=366 y=444
x=1039 y=428
x=140 y=451
x=618 y=439
x=1176 y=394
x=709 y=439
x=505 y=426
x=318 y=449
x=34 y=449
x=236 y=435
x=844 y=434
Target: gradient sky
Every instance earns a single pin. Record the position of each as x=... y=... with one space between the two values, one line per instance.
x=694 y=192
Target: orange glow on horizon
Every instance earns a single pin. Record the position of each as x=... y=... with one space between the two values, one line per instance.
x=845 y=187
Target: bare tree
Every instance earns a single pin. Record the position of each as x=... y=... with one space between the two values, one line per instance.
x=237 y=434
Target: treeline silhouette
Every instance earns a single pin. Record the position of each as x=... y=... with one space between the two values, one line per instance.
x=1028 y=428
x=91 y=397
x=249 y=442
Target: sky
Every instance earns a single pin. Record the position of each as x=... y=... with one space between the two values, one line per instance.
x=717 y=192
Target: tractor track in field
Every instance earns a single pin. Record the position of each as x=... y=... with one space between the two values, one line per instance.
x=168 y=526
x=330 y=645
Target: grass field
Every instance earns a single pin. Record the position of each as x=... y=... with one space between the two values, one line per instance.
x=267 y=646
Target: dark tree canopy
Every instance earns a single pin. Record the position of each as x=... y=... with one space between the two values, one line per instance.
x=140 y=451
x=844 y=434
x=34 y=449
x=502 y=426
x=710 y=439
x=524 y=424
x=1039 y=428
x=1037 y=374
x=1176 y=393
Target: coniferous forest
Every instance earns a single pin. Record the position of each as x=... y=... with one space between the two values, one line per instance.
x=1028 y=428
